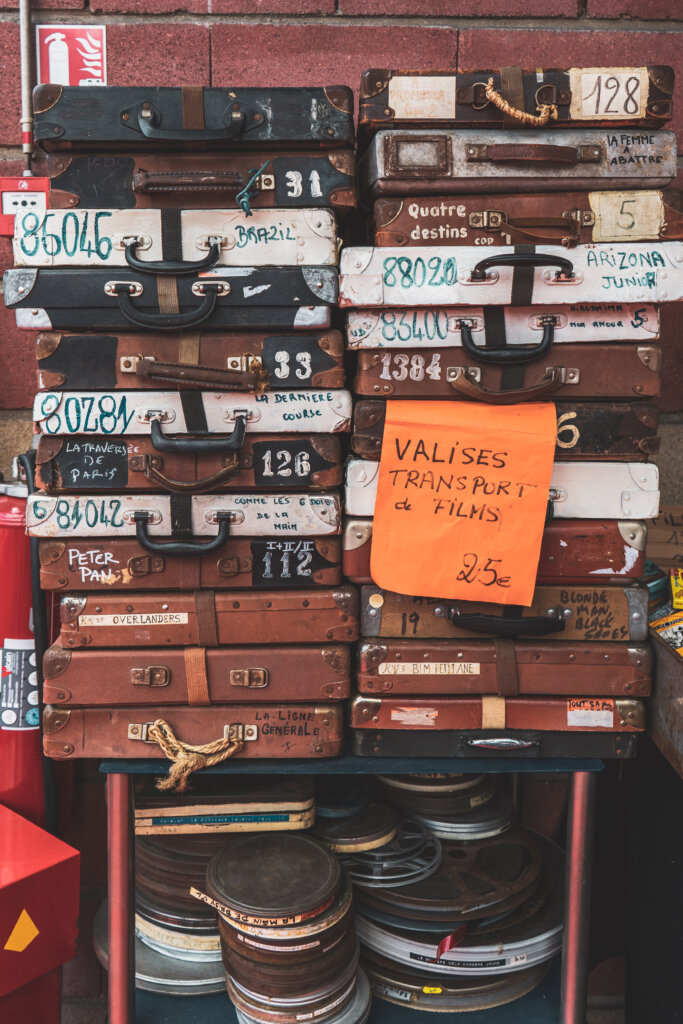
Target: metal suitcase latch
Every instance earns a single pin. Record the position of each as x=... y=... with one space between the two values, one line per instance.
x=132 y=287
x=233 y=566
x=224 y=241
x=236 y=516
x=242 y=363
x=490 y=220
x=586 y=218
x=254 y=678
x=143 y=565
x=153 y=515
x=151 y=675
x=139 y=241
x=234 y=731
x=471 y=372
x=266 y=182
x=250 y=415
x=163 y=415
x=129 y=364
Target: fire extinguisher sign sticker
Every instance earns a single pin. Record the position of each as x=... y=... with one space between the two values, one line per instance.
x=71 y=54
x=19 y=686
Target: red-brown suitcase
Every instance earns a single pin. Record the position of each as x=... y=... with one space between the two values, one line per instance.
x=555 y=714
x=504 y=667
x=277 y=730
x=573 y=551
x=585 y=430
x=208 y=618
x=195 y=675
x=264 y=461
x=239 y=361
x=123 y=564
x=534 y=217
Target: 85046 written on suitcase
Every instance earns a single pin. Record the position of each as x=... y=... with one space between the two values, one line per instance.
x=199 y=180
x=85 y=117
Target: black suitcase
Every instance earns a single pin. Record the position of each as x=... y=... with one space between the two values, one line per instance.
x=483 y=743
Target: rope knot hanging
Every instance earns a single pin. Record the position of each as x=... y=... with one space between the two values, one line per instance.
x=186 y=757
x=546 y=111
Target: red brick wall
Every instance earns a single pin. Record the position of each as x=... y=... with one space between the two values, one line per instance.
x=297 y=42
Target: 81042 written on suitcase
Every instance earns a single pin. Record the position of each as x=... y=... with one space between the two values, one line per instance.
x=199 y=180
x=442 y=162
x=196 y=675
x=85 y=117
x=209 y=619
x=503 y=667
x=240 y=297
x=491 y=743
x=266 y=730
x=516 y=97
x=578 y=613
x=573 y=551
x=227 y=362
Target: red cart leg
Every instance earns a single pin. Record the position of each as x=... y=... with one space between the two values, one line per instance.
x=580 y=829
x=121 y=888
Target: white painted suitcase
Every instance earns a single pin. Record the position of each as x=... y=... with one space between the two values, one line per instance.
x=441 y=328
x=162 y=241
x=498 y=276
x=124 y=413
x=183 y=517
x=578 y=490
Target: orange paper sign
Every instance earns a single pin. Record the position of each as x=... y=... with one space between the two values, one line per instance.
x=462 y=498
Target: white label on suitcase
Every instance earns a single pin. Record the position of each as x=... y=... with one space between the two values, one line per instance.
x=608 y=94
x=132 y=412
x=590 y=713
x=444 y=276
x=422 y=97
x=98 y=238
x=626 y=216
x=433 y=668
x=440 y=328
x=424 y=717
x=135 y=619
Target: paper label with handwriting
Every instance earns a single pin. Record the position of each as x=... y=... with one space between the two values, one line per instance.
x=626 y=216
x=608 y=94
x=429 y=668
x=424 y=717
x=590 y=713
x=426 y=97
x=132 y=619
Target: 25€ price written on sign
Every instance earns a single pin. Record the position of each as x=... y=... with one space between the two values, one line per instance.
x=462 y=498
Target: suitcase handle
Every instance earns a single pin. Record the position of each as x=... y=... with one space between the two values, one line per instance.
x=209 y=483
x=149 y=123
x=150 y=182
x=520 y=152
x=503 y=744
x=169 y=267
x=198 y=443
x=183 y=549
x=524 y=259
x=535 y=625
x=170 y=321
x=510 y=353
x=200 y=376
x=469 y=388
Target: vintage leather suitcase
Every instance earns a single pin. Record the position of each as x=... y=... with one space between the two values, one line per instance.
x=506 y=743
x=130 y=413
x=237 y=297
x=199 y=180
x=585 y=612
x=195 y=675
x=500 y=326
x=243 y=562
x=85 y=117
x=445 y=276
x=578 y=490
x=513 y=97
x=534 y=217
x=175 y=241
x=442 y=162
x=556 y=714
x=665 y=537
x=209 y=619
x=503 y=667
x=585 y=430
x=264 y=461
x=275 y=730
x=573 y=551
x=228 y=362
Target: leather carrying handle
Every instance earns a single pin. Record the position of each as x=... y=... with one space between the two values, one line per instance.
x=170 y=321
x=199 y=443
x=199 y=376
x=170 y=267
x=519 y=152
x=209 y=483
x=150 y=182
x=511 y=353
x=149 y=122
x=502 y=744
x=523 y=259
x=534 y=625
x=468 y=388
x=183 y=549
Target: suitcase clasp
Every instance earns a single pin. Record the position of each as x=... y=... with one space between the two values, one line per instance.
x=143 y=565
x=219 y=287
x=243 y=364
x=235 y=515
x=162 y=415
x=139 y=241
x=153 y=515
x=266 y=182
x=250 y=415
x=470 y=372
x=151 y=675
x=129 y=364
x=240 y=731
x=224 y=241
x=557 y=494
x=114 y=287
x=490 y=220
x=254 y=678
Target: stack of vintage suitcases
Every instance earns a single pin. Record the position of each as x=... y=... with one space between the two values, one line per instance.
x=193 y=430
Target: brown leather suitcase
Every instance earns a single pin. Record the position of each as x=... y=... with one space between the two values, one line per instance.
x=213 y=362
x=589 y=612
x=276 y=730
x=665 y=537
x=515 y=744
x=195 y=675
x=504 y=667
x=209 y=619
x=534 y=217
x=264 y=461
x=123 y=564
x=573 y=551
x=585 y=430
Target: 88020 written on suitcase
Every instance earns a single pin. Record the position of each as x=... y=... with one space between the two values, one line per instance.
x=85 y=117
x=199 y=180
